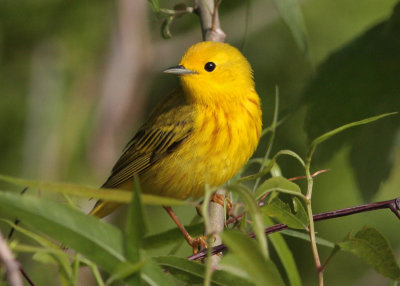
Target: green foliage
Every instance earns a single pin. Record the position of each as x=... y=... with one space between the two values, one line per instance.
x=282 y=212
x=193 y=272
x=248 y=253
x=114 y=195
x=356 y=81
x=121 y=253
x=285 y=255
x=291 y=14
x=373 y=248
x=359 y=80
x=96 y=240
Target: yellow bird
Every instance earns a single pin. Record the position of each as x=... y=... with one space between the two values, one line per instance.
x=202 y=133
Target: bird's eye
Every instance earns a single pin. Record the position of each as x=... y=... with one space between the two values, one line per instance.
x=210 y=66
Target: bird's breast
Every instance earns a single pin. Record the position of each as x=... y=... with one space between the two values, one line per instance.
x=223 y=139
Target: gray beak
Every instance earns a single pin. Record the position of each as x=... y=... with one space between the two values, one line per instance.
x=179 y=70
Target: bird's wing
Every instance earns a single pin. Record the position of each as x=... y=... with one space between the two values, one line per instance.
x=169 y=126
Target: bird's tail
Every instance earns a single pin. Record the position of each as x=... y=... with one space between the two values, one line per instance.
x=103 y=208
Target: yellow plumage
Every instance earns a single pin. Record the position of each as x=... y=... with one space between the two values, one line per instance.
x=202 y=133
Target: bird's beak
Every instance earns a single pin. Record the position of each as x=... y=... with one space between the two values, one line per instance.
x=179 y=70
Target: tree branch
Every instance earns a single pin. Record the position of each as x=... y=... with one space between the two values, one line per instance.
x=393 y=205
x=211 y=30
x=209 y=20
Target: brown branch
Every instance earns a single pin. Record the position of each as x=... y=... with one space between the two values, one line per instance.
x=393 y=205
x=211 y=30
x=12 y=266
x=209 y=20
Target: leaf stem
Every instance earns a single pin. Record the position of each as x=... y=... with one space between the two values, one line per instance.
x=311 y=232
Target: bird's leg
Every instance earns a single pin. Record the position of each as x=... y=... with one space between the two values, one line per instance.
x=194 y=242
x=223 y=201
x=219 y=199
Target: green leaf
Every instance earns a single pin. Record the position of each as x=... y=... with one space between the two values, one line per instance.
x=285 y=255
x=44 y=257
x=152 y=273
x=299 y=210
x=282 y=212
x=254 y=210
x=134 y=232
x=97 y=240
x=374 y=249
x=155 y=5
x=230 y=264
x=124 y=271
x=165 y=31
x=135 y=226
x=291 y=14
x=359 y=80
x=192 y=272
x=276 y=184
x=262 y=270
x=114 y=195
x=306 y=237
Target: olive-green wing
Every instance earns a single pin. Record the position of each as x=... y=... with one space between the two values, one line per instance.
x=158 y=138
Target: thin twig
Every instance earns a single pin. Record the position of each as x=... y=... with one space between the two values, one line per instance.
x=393 y=205
x=12 y=266
x=313 y=175
x=26 y=276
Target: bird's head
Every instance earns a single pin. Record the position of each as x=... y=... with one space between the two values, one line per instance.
x=214 y=71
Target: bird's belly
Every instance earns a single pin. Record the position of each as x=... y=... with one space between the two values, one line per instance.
x=209 y=158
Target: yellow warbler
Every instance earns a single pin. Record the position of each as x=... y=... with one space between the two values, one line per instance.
x=202 y=133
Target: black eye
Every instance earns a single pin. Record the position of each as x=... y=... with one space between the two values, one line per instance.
x=210 y=66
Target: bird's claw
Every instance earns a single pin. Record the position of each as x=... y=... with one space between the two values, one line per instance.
x=223 y=201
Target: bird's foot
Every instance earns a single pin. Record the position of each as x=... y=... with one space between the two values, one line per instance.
x=219 y=199
x=197 y=243
x=223 y=201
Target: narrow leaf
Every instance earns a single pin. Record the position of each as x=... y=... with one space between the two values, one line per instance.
x=152 y=273
x=155 y=5
x=282 y=212
x=276 y=184
x=374 y=249
x=134 y=232
x=306 y=237
x=193 y=272
x=262 y=270
x=114 y=195
x=285 y=255
x=165 y=31
x=97 y=240
x=135 y=226
x=299 y=210
x=124 y=271
x=291 y=14
x=255 y=213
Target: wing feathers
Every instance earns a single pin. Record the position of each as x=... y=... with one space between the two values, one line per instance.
x=158 y=138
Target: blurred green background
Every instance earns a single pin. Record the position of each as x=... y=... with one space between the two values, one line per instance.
x=78 y=77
